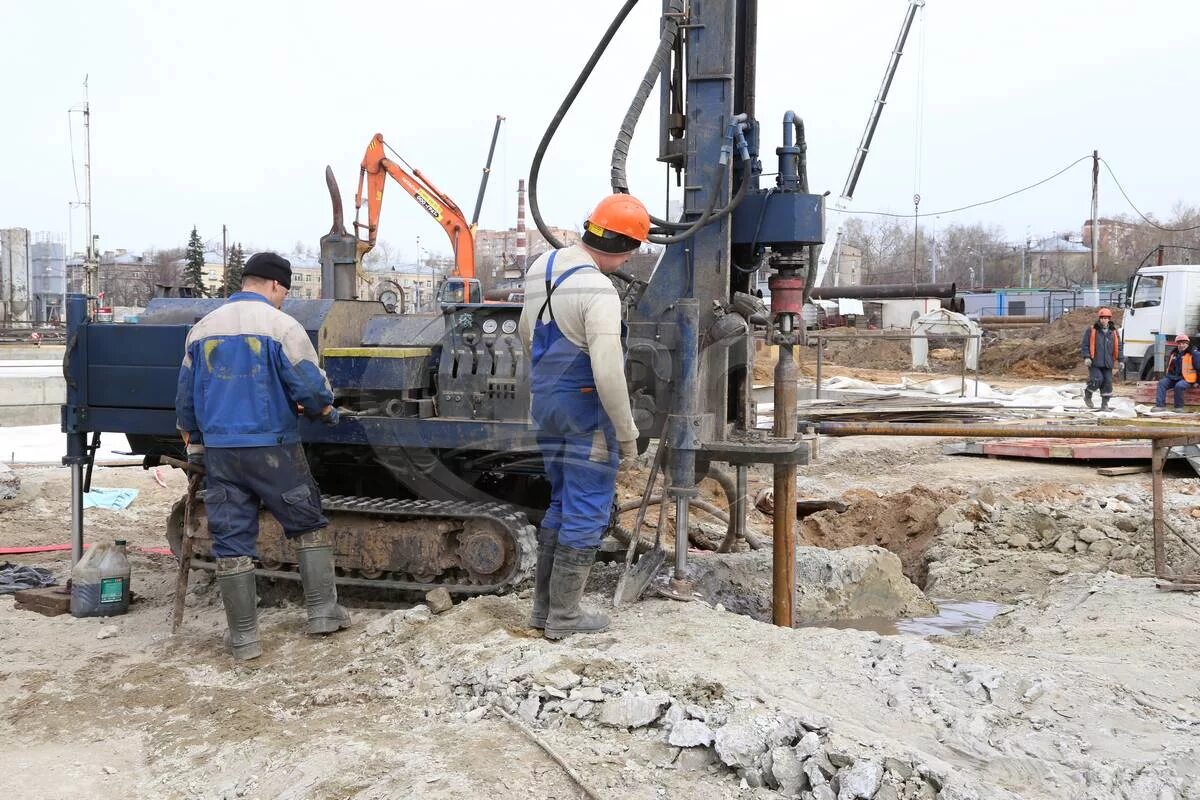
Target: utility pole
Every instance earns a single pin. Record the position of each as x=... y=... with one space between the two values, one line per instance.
x=1095 y=300
x=89 y=253
x=224 y=257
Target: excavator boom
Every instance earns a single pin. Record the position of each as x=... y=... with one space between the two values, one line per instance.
x=372 y=177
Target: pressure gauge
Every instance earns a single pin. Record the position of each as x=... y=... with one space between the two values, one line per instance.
x=509 y=326
x=489 y=326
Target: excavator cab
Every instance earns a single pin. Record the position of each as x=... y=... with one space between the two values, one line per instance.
x=459 y=291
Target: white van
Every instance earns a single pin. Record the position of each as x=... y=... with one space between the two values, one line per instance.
x=1159 y=300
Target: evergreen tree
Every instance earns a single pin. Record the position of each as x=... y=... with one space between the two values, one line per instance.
x=233 y=273
x=193 y=271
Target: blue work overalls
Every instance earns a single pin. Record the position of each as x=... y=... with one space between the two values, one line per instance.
x=576 y=437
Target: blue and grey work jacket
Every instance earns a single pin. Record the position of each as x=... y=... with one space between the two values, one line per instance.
x=246 y=368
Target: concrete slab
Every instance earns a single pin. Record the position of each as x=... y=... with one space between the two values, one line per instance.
x=30 y=392
x=46 y=444
x=24 y=352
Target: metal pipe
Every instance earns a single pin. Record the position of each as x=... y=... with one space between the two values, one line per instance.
x=1024 y=319
x=971 y=431
x=682 y=432
x=887 y=291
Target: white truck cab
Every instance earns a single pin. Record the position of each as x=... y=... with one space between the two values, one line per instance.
x=1160 y=303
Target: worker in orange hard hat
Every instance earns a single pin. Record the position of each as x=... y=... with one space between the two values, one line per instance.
x=1101 y=348
x=1180 y=375
x=572 y=327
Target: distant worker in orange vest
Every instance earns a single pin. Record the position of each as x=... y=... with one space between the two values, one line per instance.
x=1100 y=350
x=1180 y=375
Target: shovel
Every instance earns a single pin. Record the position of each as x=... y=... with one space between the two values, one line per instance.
x=635 y=579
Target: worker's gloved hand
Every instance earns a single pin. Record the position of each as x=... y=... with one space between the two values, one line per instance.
x=195 y=455
x=1087 y=362
x=628 y=453
x=330 y=415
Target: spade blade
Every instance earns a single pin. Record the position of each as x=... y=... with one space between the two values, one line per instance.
x=642 y=573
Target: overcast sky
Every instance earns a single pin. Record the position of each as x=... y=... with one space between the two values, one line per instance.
x=227 y=113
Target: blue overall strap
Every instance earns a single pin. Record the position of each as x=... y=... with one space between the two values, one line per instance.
x=550 y=287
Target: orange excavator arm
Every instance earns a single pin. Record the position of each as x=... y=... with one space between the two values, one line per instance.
x=373 y=174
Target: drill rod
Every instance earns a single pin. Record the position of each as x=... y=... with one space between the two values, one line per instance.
x=784 y=549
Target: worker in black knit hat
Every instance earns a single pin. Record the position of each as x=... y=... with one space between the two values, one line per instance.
x=247 y=368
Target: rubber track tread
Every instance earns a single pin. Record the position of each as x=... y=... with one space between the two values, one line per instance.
x=510 y=518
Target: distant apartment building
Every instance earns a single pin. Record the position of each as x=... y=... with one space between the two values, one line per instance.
x=496 y=251
x=1116 y=237
x=1058 y=260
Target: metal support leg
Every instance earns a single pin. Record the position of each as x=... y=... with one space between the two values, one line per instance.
x=820 y=361
x=681 y=537
x=76 y=513
x=1158 y=457
x=739 y=502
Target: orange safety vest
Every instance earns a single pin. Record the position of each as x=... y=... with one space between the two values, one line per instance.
x=1187 y=368
x=1116 y=345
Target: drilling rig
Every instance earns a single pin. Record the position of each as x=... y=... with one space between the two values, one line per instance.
x=434 y=478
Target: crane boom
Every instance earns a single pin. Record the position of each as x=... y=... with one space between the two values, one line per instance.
x=487 y=171
x=860 y=155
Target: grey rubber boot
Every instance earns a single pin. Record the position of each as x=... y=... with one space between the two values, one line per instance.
x=570 y=574
x=547 y=541
x=235 y=576
x=1087 y=398
x=320 y=592
x=1104 y=398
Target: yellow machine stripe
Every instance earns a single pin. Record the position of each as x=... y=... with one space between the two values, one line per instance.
x=377 y=352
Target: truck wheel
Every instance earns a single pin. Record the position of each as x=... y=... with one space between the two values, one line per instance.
x=1147 y=371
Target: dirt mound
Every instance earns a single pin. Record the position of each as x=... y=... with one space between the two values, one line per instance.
x=866 y=350
x=1050 y=350
x=905 y=523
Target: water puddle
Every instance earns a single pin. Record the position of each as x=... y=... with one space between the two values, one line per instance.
x=954 y=617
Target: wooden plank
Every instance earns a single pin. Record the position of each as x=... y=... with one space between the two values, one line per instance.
x=1130 y=470
x=1078 y=449
x=1178 y=586
x=1144 y=393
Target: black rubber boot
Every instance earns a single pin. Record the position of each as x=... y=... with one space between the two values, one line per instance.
x=320 y=592
x=1087 y=398
x=547 y=541
x=235 y=576
x=569 y=576
x=1104 y=398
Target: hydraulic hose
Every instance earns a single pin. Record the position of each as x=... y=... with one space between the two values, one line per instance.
x=709 y=215
x=565 y=106
x=658 y=64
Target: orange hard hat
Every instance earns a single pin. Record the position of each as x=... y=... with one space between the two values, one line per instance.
x=1104 y=312
x=618 y=224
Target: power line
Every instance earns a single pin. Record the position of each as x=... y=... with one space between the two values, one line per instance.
x=1139 y=213
x=1013 y=193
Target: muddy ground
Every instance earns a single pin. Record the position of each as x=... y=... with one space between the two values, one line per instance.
x=1084 y=686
